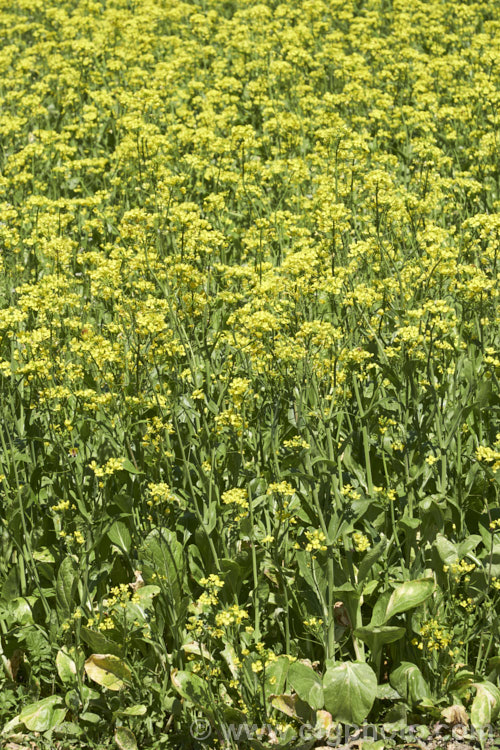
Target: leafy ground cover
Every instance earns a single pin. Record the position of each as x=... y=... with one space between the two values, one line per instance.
x=249 y=449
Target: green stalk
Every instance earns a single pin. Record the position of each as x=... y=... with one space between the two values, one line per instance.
x=366 y=442
x=255 y=572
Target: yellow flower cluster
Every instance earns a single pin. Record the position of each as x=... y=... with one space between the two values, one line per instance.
x=296 y=443
x=110 y=467
x=280 y=488
x=160 y=492
x=237 y=496
x=316 y=541
x=120 y=595
x=360 y=541
x=313 y=622
x=61 y=506
x=230 y=616
x=460 y=570
x=434 y=637
x=489 y=456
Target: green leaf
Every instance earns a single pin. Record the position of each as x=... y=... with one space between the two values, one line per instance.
x=166 y=556
x=137 y=710
x=191 y=687
x=19 y=612
x=349 y=690
x=486 y=691
x=285 y=704
x=146 y=594
x=43 y=555
x=43 y=715
x=119 y=535
x=125 y=739
x=307 y=684
x=468 y=545
x=65 y=587
x=72 y=700
x=409 y=682
x=386 y=693
x=446 y=550
x=129 y=466
x=408 y=595
x=292 y=705
x=99 y=643
x=370 y=558
x=89 y=717
x=108 y=670
x=480 y=712
x=66 y=667
x=276 y=674
x=194 y=647
x=377 y=636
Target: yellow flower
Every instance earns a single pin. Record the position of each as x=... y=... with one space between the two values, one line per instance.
x=361 y=541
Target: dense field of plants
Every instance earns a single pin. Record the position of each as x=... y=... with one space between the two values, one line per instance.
x=249 y=449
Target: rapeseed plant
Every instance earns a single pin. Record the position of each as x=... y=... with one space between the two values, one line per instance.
x=249 y=348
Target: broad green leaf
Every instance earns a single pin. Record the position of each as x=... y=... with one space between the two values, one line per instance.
x=190 y=686
x=12 y=726
x=387 y=693
x=292 y=705
x=119 y=535
x=18 y=610
x=210 y=517
x=486 y=703
x=66 y=667
x=285 y=704
x=125 y=739
x=349 y=690
x=231 y=658
x=307 y=684
x=234 y=716
x=43 y=555
x=99 y=643
x=72 y=700
x=129 y=466
x=193 y=647
x=276 y=674
x=377 y=636
x=409 y=681
x=370 y=587
x=43 y=715
x=137 y=710
x=66 y=586
x=89 y=717
x=447 y=551
x=146 y=594
x=166 y=555
x=407 y=595
x=108 y=670
x=468 y=545
x=460 y=683
x=370 y=559
x=480 y=712
x=69 y=729
x=374 y=744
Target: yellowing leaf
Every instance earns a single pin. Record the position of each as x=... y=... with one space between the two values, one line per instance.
x=125 y=739
x=108 y=670
x=455 y=714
